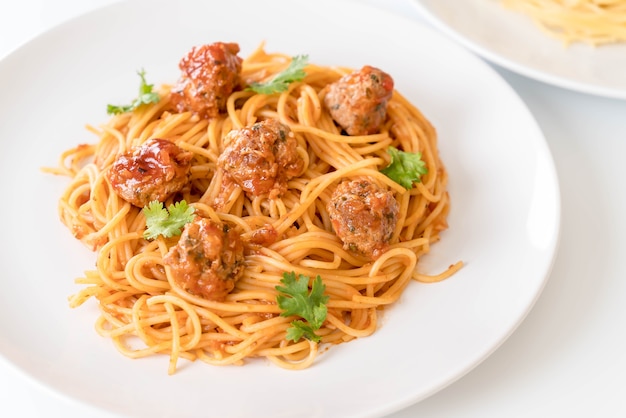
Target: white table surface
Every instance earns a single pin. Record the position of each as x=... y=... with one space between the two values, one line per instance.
x=568 y=358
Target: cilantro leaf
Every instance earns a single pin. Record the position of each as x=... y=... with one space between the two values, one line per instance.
x=300 y=329
x=280 y=82
x=405 y=168
x=146 y=95
x=295 y=299
x=167 y=222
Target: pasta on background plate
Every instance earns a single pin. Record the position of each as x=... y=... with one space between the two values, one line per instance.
x=596 y=22
x=256 y=207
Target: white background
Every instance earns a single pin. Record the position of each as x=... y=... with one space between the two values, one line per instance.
x=568 y=358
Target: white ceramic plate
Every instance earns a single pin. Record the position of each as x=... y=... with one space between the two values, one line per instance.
x=513 y=41
x=503 y=224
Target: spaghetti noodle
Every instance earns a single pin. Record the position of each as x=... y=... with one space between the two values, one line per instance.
x=595 y=22
x=145 y=311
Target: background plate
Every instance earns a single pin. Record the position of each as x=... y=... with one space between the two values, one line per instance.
x=513 y=41
x=504 y=220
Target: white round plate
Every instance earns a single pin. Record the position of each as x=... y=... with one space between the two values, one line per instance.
x=504 y=220
x=513 y=41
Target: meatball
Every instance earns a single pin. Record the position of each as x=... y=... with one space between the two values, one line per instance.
x=210 y=73
x=208 y=259
x=358 y=101
x=152 y=171
x=364 y=216
x=261 y=158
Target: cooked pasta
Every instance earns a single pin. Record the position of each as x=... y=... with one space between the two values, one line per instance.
x=286 y=227
x=595 y=22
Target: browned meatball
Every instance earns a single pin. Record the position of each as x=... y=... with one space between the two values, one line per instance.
x=364 y=216
x=151 y=171
x=358 y=101
x=208 y=259
x=210 y=73
x=261 y=158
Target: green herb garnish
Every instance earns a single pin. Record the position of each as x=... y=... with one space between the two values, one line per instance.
x=405 y=168
x=280 y=82
x=295 y=299
x=146 y=95
x=167 y=222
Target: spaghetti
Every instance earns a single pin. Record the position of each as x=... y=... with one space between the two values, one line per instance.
x=144 y=311
x=595 y=22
